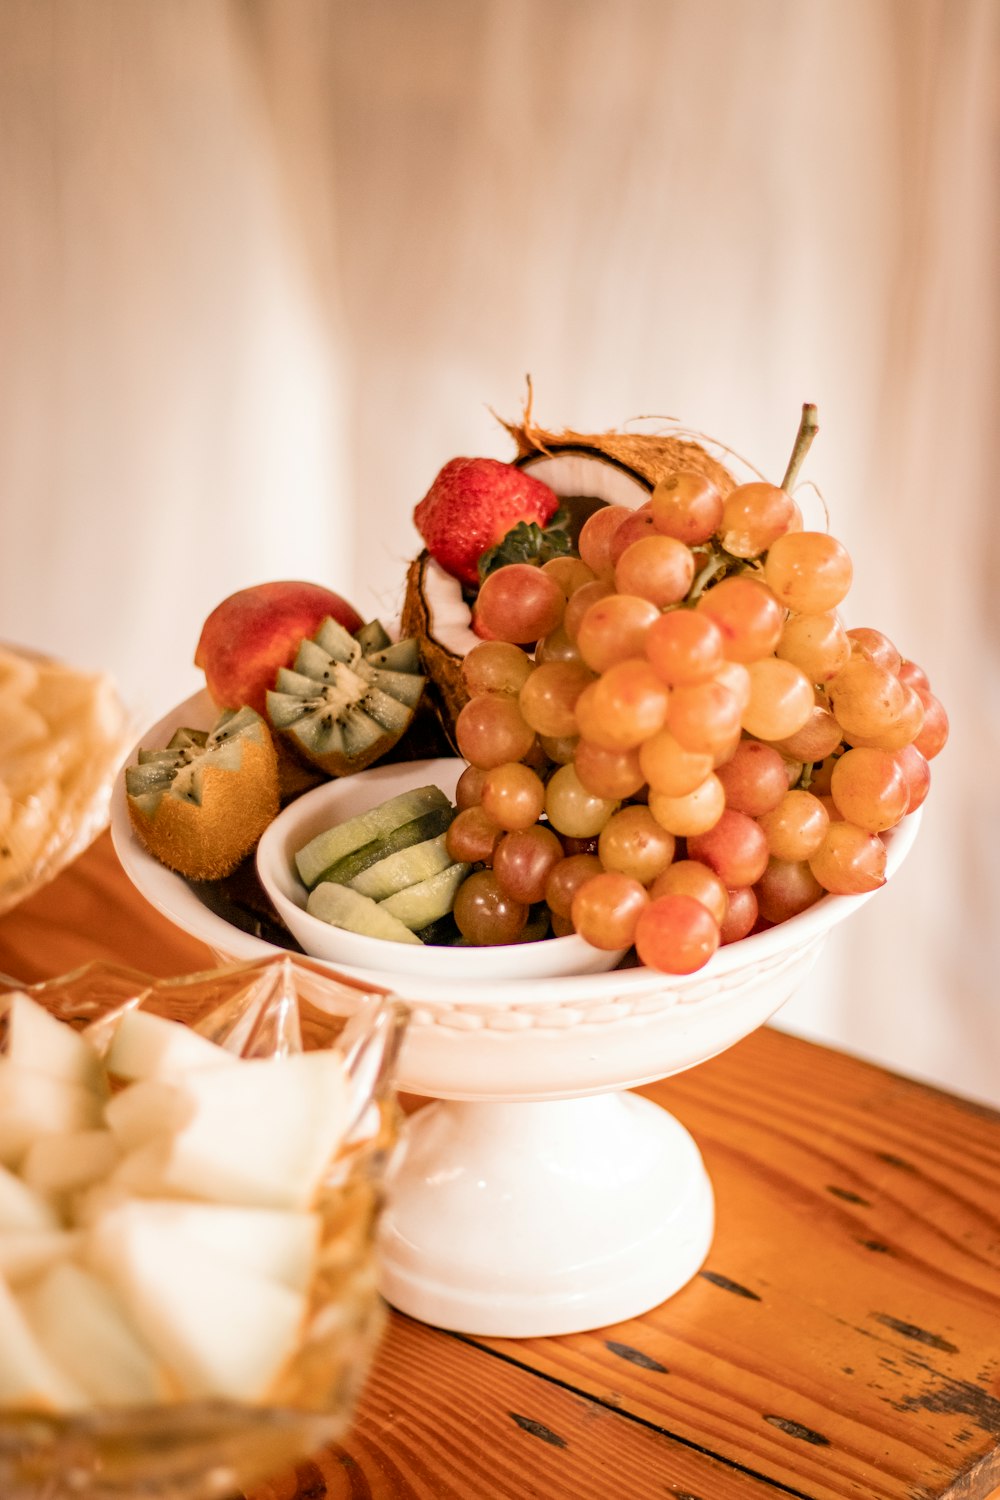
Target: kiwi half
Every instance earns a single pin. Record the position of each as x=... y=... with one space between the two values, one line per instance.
x=201 y=803
x=347 y=698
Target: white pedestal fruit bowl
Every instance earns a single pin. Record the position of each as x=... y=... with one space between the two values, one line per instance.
x=536 y=1195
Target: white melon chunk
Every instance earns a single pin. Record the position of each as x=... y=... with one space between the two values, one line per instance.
x=261 y=1134
x=21 y=1208
x=148 y=1046
x=143 y=1173
x=84 y=1329
x=277 y=1243
x=35 y=1039
x=220 y=1329
x=68 y=1163
x=29 y=1381
x=25 y=1254
x=146 y=1110
x=35 y=1104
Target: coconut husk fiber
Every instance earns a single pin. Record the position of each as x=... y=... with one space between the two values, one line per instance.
x=651 y=456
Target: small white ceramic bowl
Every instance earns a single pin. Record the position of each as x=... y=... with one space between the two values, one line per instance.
x=333 y=803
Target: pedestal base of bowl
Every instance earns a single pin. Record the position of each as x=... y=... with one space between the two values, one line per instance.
x=522 y=1220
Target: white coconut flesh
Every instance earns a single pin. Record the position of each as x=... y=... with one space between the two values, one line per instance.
x=571 y=473
x=590 y=474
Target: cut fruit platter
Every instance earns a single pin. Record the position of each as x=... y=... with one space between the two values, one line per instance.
x=676 y=771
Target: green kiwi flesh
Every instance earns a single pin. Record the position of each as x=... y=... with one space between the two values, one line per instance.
x=201 y=803
x=347 y=699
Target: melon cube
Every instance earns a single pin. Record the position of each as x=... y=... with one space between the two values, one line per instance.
x=29 y=1380
x=21 y=1208
x=260 y=1135
x=280 y=1244
x=35 y=1104
x=148 y=1046
x=57 y=1164
x=25 y=1254
x=84 y=1329
x=35 y=1039
x=146 y=1110
x=220 y=1329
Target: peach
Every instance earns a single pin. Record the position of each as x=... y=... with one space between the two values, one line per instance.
x=255 y=631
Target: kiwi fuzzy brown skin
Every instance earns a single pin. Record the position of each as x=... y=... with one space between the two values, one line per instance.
x=207 y=841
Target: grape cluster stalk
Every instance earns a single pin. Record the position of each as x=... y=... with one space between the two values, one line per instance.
x=673 y=740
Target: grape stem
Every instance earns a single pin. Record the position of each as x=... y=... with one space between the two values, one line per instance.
x=808 y=428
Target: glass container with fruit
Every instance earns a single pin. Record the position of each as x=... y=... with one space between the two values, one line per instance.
x=192 y=1172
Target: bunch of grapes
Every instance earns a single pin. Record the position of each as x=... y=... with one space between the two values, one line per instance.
x=672 y=739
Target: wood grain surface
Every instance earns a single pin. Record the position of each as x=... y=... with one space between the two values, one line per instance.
x=842 y=1341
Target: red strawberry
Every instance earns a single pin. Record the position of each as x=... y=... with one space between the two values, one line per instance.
x=472 y=505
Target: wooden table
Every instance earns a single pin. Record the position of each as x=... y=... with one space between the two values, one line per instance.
x=843 y=1339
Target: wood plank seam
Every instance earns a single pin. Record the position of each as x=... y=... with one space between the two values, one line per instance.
x=618 y=1411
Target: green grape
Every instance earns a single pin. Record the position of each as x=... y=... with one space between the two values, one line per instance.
x=785 y=889
x=513 y=796
x=623 y=707
x=656 y=567
x=795 y=827
x=495 y=667
x=689 y=877
x=491 y=730
x=808 y=571
x=523 y=861
x=472 y=837
x=869 y=788
x=693 y=813
x=684 y=647
x=565 y=878
x=635 y=844
x=754 y=780
x=781 y=699
x=670 y=768
x=687 y=506
x=608 y=773
x=850 y=860
x=614 y=629
x=548 y=698
x=606 y=909
x=817 y=644
x=748 y=615
x=571 y=809
x=754 y=516
x=676 y=934
x=518 y=603
x=484 y=914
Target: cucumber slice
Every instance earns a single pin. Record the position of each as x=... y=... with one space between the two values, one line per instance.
x=407 y=867
x=427 y=901
x=427 y=826
x=344 y=908
x=440 y=934
x=335 y=843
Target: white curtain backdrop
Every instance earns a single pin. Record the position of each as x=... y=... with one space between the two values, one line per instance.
x=264 y=266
